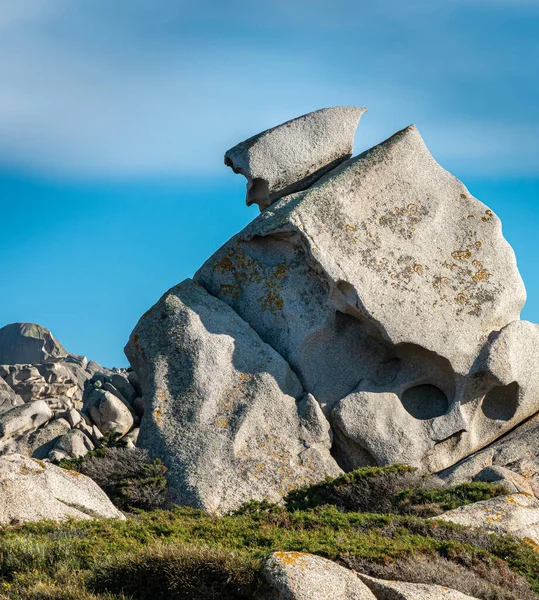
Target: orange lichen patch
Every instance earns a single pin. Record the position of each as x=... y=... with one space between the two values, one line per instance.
x=461 y=298
x=223 y=423
x=482 y=275
x=463 y=196
x=531 y=542
x=350 y=228
x=418 y=269
x=136 y=338
x=158 y=416
x=478 y=244
x=461 y=254
x=489 y=216
x=294 y=559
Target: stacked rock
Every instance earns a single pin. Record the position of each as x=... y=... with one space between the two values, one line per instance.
x=368 y=316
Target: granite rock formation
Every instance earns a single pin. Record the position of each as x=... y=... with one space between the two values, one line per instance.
x=386 y=290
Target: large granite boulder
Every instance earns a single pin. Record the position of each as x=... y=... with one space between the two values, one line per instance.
x=380 y=286
x=292 y=156
x=27 y=343
x=300 y=576
x=32 y=490
x=224 y=411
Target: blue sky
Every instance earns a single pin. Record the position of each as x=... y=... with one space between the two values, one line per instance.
x=115 y=115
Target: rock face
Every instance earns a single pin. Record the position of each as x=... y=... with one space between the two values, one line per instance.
x=292 y=156
x=517 y=453
x=400 y=590
x=390 y=274
x=299 y=576
x=383 y=286
x=32 y=490
x=516 y=515
x=227 y=415
x=27 y=343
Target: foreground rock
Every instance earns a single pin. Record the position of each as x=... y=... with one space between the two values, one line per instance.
x=516 y=515
x=27 y=343
x=400 y=590
x=299 y=576
x=32 y=490
x=227 y=415
x=292 y=156
x=389 y=273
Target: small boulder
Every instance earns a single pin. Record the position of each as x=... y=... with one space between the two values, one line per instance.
x=515 y=514
x=300 y=576
x=32 y=490
x=8 y=398
x=24 y=418
x=73 y=444
x=108 y=412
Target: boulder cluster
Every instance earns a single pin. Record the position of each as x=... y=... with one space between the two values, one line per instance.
x=59 y=406
x=370 y=315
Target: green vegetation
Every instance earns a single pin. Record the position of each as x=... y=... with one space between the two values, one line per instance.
x=185 y=553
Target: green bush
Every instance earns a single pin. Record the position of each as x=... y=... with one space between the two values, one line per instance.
x=128 y=476
x=396 y=489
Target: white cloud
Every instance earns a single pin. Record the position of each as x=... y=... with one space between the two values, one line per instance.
x=102 y=92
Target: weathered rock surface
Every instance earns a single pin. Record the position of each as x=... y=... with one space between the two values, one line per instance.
x=299 y=576
x=400 y=590
x=108 y=412
x=515 y=514
x=292 y=156
x=22 y=343
x=24 y=418
x=8 y=398
x=32 y=490
x=225 y=412
x=73 y=444
x=517 y=452
x=390 y=274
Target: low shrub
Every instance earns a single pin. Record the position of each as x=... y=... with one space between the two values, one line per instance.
x=128 y=476
x=433 y=501
x=397 y=489
x=163 y=572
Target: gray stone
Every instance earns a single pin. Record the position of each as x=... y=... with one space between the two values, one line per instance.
x=42 y=440
x=32 y=490
x=515 y=514
x=225 y=412
x=8 y=398
x=292 y=156
x=132 y=437
x=139 y=405
x=73 y=444
x=388 y=272
x=22 y=343
x=400 y=590
x=108 y=412
x=300 y=576
x=512 y=481
x=24 y=418
x=73 y=417
x=122 y=384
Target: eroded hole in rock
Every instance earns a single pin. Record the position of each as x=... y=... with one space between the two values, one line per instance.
x=501 y=402
x=258 y=193
x=425 y=402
